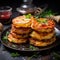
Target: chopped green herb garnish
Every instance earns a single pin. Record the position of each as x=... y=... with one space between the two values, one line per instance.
x=32 y=47
x=15 y=54
x=42 y=21
x=35 y=55
x=6 y=36
x=38 y=20
x=7 y=33
x=46 y=13
x=28 y=16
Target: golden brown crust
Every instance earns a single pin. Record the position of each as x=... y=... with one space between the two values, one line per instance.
x=48 y=26
x=21 y=30
x=15 y=40
x=41 y=36
x=41 y=43
x=21 y=21
x=18 y=35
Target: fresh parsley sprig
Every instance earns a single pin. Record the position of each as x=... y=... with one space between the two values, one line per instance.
x=42 y=21
x=35 y=55
x=15 y=54
x=6 y=36
x=28 y=16
x=32 y=47
x=45 y=14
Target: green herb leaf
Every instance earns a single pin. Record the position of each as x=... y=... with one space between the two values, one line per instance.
x=15 y=54
x=28 y=16
x=7 y=33
x=42 y=21
x=6 y=36
x=32 y=47
x=35 y=55
x=46 y=13
x=38 y=20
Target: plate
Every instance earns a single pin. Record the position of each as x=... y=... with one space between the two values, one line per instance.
x=28 y=47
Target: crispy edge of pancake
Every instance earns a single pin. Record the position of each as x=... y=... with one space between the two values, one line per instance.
x=21 y=30
x=18 y=25
x=41 y=36
x=42 y=44
x=44 y=30
x=19 y=35
x=37 y=26
x=15 y=40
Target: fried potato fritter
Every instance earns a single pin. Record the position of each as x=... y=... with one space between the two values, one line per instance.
x=21 y=30
x=41 y=43
x=21 y=21
x=41 y=36
x=15 y=40
x=19 y=35
x=42 y=24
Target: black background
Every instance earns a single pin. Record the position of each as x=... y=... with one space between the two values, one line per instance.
x=52 y=4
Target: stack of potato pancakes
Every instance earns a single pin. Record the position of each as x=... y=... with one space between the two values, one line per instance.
x=20 y=30
x=43 y=32
x=39 y=32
